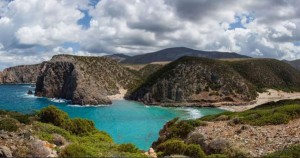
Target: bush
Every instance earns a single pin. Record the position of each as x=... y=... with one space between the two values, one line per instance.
x=171 y=147
x=194 y=151
x=9 y=124
x=217 y=156
x=130 y=148
x=53 y=115
x=290 y=152
x=81 y=126
x=74 y=150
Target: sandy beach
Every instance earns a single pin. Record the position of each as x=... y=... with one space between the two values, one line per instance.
x=269 y=96
x=119 y=96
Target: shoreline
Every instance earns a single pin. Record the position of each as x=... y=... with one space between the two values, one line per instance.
x=270 y=95
x=120 y=96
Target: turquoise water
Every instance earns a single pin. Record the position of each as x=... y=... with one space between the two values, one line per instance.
x=125 y=121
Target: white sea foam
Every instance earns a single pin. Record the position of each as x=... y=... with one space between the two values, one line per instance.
x=193 y=113
x=84 y=106
x=55 y=100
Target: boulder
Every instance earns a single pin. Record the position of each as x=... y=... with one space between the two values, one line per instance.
x=30 y=92
x=5 y=152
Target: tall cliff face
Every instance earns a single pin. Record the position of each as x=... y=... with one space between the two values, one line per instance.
x=83 y=80
x=194 y=80
x=20 y=74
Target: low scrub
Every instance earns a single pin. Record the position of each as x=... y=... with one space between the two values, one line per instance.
x=8 y=124
x=178 y=147
x=290 y=152
x=267 y=114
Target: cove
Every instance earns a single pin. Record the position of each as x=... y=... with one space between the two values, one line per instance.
x=125 y=121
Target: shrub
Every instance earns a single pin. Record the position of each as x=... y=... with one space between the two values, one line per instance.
x=171 y=147
x=22 y=118
x=74 y=150
x=53 y=115
x=217 y=156
x=80 y=126
x=9 y=124
x=194 y=151
x=218 y=146
x=130 y=148
x=290 y=152
x=195 y=138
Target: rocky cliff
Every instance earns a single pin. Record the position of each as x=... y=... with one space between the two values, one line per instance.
x=20 y=74
x=194 y=81
x=83 y=80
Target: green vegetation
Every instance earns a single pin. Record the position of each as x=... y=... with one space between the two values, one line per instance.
x=268 y=73
x=26 y=119
x=178 y=129
x=290 y=152
x=178 y=147
x=53 y=115
x=80 y=126
x=130 y=148
x=267 y=114
x=8 y=124
x=177 y=134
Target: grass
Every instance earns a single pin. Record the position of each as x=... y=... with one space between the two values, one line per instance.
x=267 y=114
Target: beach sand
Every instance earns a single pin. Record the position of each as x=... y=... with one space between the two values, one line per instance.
x=119 y=96
x=265 y=97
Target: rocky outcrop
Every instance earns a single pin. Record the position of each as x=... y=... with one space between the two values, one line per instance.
x=5 y=152
x=194 y=81
x=254 y=141
x=83 y=80
x=20 y=74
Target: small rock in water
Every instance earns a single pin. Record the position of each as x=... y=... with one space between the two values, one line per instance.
x=30 y=92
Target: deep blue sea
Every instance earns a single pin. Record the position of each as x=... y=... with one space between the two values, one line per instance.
x=125 y=121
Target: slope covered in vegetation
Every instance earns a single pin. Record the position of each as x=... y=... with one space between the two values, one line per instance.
x=272 y=127
x=197 y=81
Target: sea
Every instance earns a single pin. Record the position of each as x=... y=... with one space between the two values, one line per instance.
x=125 y=121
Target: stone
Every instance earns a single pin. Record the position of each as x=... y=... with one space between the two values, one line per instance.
x=30 y=92
x=5 y=152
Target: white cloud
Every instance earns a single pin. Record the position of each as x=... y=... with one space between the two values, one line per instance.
x=263 y=28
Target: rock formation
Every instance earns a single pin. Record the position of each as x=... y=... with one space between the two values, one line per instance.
x=20 y=74
x=83 y=80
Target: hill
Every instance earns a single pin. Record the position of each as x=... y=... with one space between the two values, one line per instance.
x=20 y=74
x=270 y=130
x=196 y=81
x=294 y=63
x=172 y=54
x=118 y=57
x=83 y=80
x=268 y=73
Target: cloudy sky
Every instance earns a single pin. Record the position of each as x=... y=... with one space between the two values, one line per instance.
x=33 y=30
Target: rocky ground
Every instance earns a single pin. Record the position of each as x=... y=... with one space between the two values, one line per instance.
x=24 y=144
x=255 y=141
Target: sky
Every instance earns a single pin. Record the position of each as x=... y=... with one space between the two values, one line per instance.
x=32 y=31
